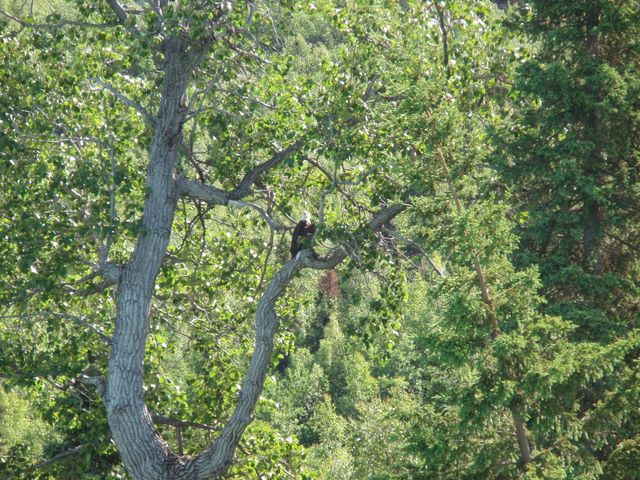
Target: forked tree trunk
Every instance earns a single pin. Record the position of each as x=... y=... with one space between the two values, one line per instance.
x=145 y=454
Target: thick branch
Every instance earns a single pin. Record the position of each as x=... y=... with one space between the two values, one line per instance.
x=98 y=381
x=118 y=10
x=143 y=451
x=251 y=177
x=518 y=422
x=445 y=47
x=201 y=191
x=333 y=258
x=110 y=271
x=267 y=218
x=484 y=289
x=523 y=439
x=215 y=460
x=217 y=196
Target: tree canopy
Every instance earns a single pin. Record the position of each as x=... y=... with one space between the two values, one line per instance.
x=468 y=305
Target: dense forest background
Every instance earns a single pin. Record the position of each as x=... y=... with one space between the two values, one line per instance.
x=471 y=307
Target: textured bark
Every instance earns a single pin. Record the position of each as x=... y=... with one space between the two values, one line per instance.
x=144 y=453
x=215 y=460
x=445 y=39
x=217 y=196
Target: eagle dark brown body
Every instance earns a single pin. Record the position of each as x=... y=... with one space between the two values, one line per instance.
x=301 y=237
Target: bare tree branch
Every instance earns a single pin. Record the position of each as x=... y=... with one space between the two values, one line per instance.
x=110 y=271
x=105 y=246
x=201 y=191
x=394 y=233
x=337 y=255
x=250 y=178
x=82 y=321
x=98 y=381
x=55 y=458
x=75 y=318
x=252 y=9
x=445 y=47
x=267 y=218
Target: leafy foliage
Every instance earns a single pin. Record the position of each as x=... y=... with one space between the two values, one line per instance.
x=491 y=331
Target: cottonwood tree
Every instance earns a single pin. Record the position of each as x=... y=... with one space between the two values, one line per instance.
x=113 y=125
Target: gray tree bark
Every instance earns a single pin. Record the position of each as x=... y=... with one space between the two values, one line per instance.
x=145 y=454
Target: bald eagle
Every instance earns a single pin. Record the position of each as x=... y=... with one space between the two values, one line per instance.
x=302 y=235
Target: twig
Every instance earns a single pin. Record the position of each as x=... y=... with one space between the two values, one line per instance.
x=127 y=101
x=82 y=321
x=106 y=247
x=176 y=422
x=265 y=265
x=252 y=9
x=408 y=241
x=55 y=458
x=261 y=211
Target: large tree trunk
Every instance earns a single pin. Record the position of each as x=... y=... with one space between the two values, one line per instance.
x=143 y=451
x=592 y=210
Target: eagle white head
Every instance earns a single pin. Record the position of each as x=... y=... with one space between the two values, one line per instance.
x=306 y=216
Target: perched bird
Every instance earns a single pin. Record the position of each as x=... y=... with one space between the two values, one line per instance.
x=302 y=235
